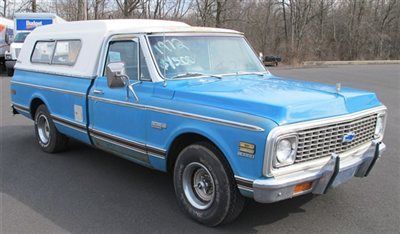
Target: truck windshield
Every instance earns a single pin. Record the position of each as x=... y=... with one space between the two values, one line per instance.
x=190 y=56
x=20 y=37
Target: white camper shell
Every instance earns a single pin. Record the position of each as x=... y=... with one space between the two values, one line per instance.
x=23 y=24
x=94 y=36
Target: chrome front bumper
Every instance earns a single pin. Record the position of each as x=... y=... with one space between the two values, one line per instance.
x=334 y=172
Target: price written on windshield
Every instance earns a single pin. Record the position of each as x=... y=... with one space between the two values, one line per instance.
x=175 y=53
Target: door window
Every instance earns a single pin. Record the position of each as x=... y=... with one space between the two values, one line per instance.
x=144 y=71
x=127 y=52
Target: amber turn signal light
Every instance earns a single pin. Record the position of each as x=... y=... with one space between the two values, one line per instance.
x=302 y=187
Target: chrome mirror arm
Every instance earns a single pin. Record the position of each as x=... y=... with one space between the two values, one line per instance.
x=130 y=87
x=127 y=83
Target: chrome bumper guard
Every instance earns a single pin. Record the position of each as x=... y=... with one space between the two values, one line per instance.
x=335 y=172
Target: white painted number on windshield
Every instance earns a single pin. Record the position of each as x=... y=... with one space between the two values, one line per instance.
x=175 y=52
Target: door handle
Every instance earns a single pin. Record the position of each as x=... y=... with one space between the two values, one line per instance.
x=98 y=91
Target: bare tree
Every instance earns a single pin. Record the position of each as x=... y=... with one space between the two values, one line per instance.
x=204 y=11
x=98 y=8
x=127 y=6
x=34 y=5
x=220 y=10
x=4 y=8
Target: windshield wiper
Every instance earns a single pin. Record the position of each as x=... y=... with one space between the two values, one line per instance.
x=188 y=74
x=251 y=73
x=215 y=76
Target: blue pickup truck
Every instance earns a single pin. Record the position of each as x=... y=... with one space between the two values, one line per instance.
x=197 y=103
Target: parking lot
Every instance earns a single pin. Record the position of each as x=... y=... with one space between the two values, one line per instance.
x=84 y=190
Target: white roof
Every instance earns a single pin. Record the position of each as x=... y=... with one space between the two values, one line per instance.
x=35 y=15
x=93 y=33
x=106 y=27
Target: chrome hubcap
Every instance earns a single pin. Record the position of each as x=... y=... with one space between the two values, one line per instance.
x=43 y=128
x=198 y=185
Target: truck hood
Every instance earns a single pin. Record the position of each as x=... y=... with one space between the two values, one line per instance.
x=281 y=100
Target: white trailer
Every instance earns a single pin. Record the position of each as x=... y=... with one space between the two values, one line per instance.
x=6 y=35
x=24 y=23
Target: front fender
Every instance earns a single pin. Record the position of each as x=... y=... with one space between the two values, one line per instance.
x=227 y=139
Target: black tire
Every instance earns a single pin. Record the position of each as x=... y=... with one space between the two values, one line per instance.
x=3 y=66
x=56 y=141
x=10 y=71
x=227 y=201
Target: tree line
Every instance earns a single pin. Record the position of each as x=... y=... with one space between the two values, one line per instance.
x=297 y=30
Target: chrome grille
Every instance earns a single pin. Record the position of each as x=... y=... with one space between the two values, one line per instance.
x=17 y=50
x=323 y=141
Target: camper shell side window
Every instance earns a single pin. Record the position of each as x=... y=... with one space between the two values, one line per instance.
x=43 y=52
x=57 y=52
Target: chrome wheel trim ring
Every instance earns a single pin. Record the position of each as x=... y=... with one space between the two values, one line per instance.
x=43 y=128
x=198 y=185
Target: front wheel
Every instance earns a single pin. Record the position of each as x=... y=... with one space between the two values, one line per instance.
x=48 y=137
x=205 y=186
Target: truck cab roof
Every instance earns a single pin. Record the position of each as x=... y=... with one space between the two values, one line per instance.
x=106 y=27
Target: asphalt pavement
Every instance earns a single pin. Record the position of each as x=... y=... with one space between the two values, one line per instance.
x=85 y=190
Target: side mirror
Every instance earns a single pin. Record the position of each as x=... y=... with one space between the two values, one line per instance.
x=115 y=73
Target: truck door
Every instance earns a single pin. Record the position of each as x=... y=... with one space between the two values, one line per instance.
x=117 y=120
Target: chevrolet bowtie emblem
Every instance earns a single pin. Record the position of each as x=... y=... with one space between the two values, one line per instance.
x=349 y=137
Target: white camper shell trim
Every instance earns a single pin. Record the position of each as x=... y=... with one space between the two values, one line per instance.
x=95 y=35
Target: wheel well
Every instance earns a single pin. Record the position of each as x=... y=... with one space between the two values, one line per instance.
x=34 y=105
x=183 y=141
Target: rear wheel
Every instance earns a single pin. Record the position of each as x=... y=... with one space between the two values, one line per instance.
x=48 y=137
x=10 y=71
x=2 y=64
x=205 y=186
